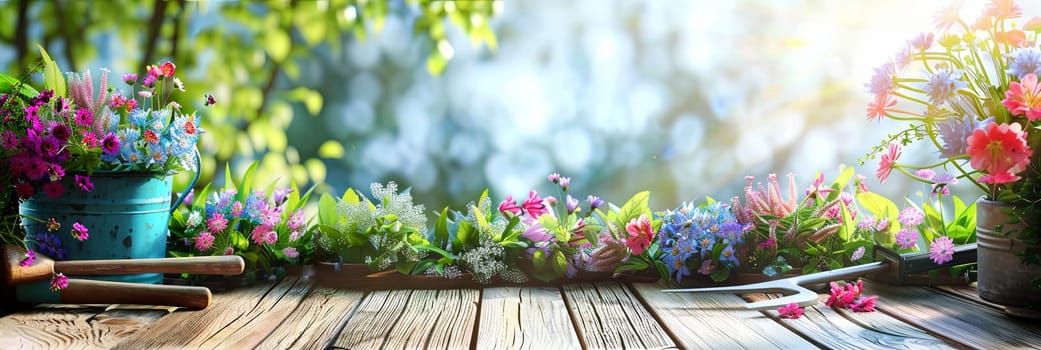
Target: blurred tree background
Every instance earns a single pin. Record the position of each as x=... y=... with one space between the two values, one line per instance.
x=450 y=97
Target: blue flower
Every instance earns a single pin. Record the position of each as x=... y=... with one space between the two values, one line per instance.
x=943 y=85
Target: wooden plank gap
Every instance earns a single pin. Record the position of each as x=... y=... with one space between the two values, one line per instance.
x=657 y=317
x=477 y=319
x=574 y=319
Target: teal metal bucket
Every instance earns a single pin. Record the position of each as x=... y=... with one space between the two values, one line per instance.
x=126 y=216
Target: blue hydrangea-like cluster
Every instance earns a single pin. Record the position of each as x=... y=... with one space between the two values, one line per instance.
x=705 y=238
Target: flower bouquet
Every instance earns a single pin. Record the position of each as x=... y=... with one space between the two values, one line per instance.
x=970 y=92
x=77 y=160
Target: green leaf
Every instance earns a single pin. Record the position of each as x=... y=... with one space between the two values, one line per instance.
x=482 y=223
x=53 y=78
x=559 y=261
x=548 y=222
x=633 y=208
x=441 y=229
x=350 y=197
x=327 y=213
x=720 y=274
x=840 y=182
x=847 y=228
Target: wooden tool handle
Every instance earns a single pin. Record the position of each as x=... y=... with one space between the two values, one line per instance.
x=203 y=265
x=105 y=292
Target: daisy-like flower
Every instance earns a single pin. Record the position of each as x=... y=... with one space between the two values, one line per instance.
x=791 y=311
x=948 y=16
x=888 y=159
x=110 y=144
x=943 y=85
x=59 y=281
x=80 y=232
x=865 y=304
x=882 y=81
x=906 y=238
x=217 y=223
x=1024 y=97
x=999 y=150
x=1024 y=61
x=941 y=250
x=879 y=106
x=204 y=241
x=1002 y=9
x=927 y=174
x=911 y=216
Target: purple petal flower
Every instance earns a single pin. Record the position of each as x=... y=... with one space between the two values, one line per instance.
x=83 y=182
x=572 y=204
x=554 y=178
x=941 y=250
x=595 y=202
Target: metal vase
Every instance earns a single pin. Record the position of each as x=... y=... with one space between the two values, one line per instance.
x=1002 y=278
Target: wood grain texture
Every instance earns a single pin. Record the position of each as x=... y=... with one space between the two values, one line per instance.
x=845 y=329
x=316 y=321
x=78 y=328
x=958 y=319
x=709 y=321
x=409 y=319
x=608 y=316
x=525 y=318
x=240 y=319
x=969 y=293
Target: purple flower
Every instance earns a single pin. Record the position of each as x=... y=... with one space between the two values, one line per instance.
x=927 y=174
x=210 y=101
x=110 y=144
x=50 y=146
x=130 y=78
x=84 y=117
x=1024 y=61
x=280 y=195
x=943 y=85
x=857 y=254
x=595 y=202
x=906 y=238
x=882 y=81
x=83 y=182
x=941 y=250
x=572 y=204
x=80 y=232
x=911 y=216
x=565 y=183
x=955 y=134
x=290 y=252
x=61 y=131
x=554 y=178
x=59 y=282
x=50 y=245
x=30 y=256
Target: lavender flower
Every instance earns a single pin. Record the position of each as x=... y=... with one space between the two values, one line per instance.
x=941 y=250
x=1024 y=61
x=943 y=85
x=572 y=204
x=595 y=202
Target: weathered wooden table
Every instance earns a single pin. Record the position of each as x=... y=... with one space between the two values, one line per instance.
x=296 y=314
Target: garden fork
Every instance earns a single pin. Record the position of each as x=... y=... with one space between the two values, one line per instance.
x=895 y=267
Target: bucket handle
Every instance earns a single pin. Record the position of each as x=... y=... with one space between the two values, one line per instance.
x=198 y=170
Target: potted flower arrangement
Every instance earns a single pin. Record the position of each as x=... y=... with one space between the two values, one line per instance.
x=971 y=92
x=86 y=164
x=267 y=227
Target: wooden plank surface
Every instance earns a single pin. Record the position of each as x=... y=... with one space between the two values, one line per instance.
x=74 y=327
x=608 y=316
x=525 y=318
x=844 y=329
x=956 y=318
x=409 y=319
x=709 y=321
x=316 y=321
x=235 y=320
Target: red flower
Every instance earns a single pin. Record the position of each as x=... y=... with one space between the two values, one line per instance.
x=167 y=69
x=1001 y=151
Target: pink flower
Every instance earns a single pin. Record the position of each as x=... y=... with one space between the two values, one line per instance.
x=83 y=182
x=640 y=234
x=1000 y=151
x=80 y=232
x=1024 y=97
x=59 y=282
x=167 y=69
x=941 y=250
x=885 y=165
x=53 y=189
x=534 y=205
x=509 y=206
x=204 y=241
x=260 y=234
x=30 y=256
x=865 y=304
x=236 y=209
x=229 y=251
x=217 y=223
x=291 y=252
x=906 y=238
x=844 y=296
x=791 y=311
x=880 y=105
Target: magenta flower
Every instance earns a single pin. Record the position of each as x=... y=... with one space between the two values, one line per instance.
x=236 y=209
x=565 y=183
x=791 y=311
x=296 y=220
x=83 y=182
x=509 y=205
x=130 y=78
x=84 y=118
x=80 y=232
x=53 y=189
x=554 y=178
x=229 y=251
x=260 y=234
x=62 y=132
x=594 y=202
x=210 y=101
x=865 y=304
x=534 y=205
x=291 y=252
x=885 y=165
x=217 y=223
x=204 y=241
x=30 y=256
x=941 y=250
x=59 y=282
x=110 y=144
